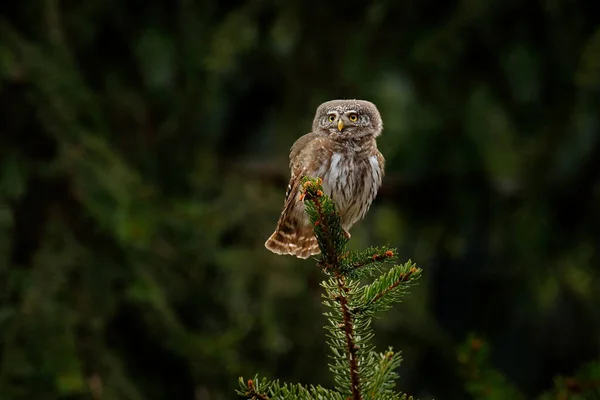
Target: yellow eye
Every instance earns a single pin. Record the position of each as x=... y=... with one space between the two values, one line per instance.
x=353 y=117
x=331 y=118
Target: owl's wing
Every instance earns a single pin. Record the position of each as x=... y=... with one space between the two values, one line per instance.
x=381 y=161
x=306 y=156
x=294 y=235
x=299 y=145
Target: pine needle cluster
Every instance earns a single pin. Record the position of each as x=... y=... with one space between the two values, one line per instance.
x=359 y=371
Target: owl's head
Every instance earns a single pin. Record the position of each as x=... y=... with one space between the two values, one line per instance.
x=348 y=119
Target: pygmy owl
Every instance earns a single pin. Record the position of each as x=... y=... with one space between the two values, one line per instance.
x=342 y=151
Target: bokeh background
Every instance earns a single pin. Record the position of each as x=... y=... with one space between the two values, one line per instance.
x=143 y=156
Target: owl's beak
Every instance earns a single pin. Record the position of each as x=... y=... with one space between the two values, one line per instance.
x=340 y=124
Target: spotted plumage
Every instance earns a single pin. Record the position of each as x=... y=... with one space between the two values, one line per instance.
x=342 y=151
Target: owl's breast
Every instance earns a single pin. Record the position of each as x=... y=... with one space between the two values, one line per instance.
x=352 y=183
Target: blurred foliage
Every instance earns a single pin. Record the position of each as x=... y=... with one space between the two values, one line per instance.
x=484 y=382
x=143 y=162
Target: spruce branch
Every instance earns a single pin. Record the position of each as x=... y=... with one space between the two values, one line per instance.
x=358 y=264
x=389 y=288
x=348 y=343
x=256 y=389
x=359 y=372
x=351 y=345
x=385 y=374
x=327 y=224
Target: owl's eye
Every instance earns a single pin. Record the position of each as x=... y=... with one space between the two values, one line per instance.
x=331 y=118
x=353 y=117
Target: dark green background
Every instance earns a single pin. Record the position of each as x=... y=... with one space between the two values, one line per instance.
x=143 y=156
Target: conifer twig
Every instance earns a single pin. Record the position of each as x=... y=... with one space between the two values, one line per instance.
x=321 y=222
x=253 y=394
x=402 y=278
x=349 y=331
x=377 y=257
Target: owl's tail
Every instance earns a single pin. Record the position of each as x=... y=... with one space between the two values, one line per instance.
x=287 y=240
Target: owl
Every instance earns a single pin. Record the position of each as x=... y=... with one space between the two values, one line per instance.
x=342 y=151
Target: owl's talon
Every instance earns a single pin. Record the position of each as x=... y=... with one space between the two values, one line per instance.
x=347 y=234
